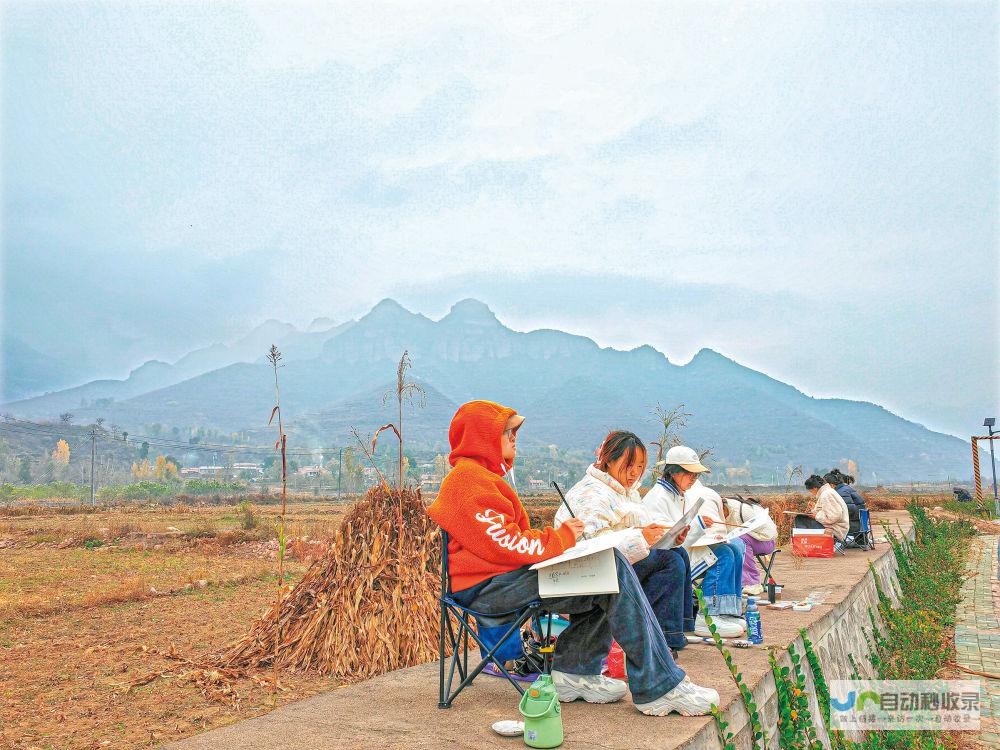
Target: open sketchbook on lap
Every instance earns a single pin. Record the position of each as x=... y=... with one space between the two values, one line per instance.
x=585 y=569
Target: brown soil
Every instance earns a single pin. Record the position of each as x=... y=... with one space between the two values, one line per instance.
x=91 y=657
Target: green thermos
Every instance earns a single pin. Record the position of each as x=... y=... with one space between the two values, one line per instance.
x=539 y=706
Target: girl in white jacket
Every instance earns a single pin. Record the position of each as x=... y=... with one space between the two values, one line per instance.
x=676 y=491
x=606 y=499
x=760 y=541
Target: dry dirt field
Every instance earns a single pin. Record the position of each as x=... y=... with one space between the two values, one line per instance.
x=93 y=605
x=105 y=616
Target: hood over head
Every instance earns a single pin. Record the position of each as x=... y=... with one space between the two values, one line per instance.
x=475 y=433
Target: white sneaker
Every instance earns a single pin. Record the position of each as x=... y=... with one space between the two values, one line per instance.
x=593 y=688
x=734 y=620
x=725 y=627
x=754 y=590
x=686 y=699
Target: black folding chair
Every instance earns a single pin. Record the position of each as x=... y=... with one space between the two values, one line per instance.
x=765 y=561
x=458 y=637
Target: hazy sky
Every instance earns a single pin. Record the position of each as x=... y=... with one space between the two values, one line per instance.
x=811 y=189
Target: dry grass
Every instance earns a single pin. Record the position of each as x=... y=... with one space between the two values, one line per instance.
x=151 y=524
x=131 y=589
x=40 y=582
x=76 y=679
x=79 y=626
x=52 y=506
x=374 y=586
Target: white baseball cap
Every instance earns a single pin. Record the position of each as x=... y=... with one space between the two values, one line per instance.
x=686 y=458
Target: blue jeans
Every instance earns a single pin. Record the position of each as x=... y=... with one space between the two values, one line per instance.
x=665 y=576
x=722 y=586
x=593 y=621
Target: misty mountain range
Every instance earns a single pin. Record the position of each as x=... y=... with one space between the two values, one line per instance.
x=572 y=391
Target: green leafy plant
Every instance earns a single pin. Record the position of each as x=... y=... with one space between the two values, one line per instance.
x=756 y=727
x=910 y=641
x=245 y=513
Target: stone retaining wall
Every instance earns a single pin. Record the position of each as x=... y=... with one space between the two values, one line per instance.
x=840 y=632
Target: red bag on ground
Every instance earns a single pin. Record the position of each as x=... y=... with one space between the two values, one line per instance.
x=616 y=662
x=811 y=543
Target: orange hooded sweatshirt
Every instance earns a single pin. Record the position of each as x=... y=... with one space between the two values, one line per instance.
x=489 y=531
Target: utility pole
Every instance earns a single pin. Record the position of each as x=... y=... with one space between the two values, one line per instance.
x=340 y=470
x=93 y=454
x=988 y=423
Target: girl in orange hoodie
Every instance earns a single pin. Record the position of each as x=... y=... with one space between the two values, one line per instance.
x=492 y=546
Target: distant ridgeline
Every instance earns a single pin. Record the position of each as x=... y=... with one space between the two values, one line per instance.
x=571 y=390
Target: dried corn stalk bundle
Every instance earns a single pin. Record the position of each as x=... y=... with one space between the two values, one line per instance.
x=361 y=610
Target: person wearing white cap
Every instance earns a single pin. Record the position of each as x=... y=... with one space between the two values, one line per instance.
x=677 y=490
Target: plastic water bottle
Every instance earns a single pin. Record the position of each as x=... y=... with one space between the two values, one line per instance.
x=754 y=632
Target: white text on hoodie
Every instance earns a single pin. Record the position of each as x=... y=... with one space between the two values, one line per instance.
x=514 y=542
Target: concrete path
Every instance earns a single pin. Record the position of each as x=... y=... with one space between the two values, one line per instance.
x=977 y=631
x=399 y=710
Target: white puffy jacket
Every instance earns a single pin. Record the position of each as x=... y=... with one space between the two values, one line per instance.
x=831 y=511
x=600 y=501
x=739 y=513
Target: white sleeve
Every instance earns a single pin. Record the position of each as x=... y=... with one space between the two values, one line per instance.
x=634 y=546
x=713 y=507
x=590 y=507
x=662 y=507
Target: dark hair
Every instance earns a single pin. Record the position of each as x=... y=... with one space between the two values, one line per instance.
x=849 y=479
x=814 y=482
x=834 y=476
x=670 y=469
x=617 y=444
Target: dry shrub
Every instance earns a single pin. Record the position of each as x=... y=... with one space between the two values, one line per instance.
x=231 y=537
x=88 y=528
x=367 y=607
x=778 y=504
x=541 y=509
x=883 y=501
x=203 y=528
x=307 y=551
x=130 y=589
x=119 y=529
x=319 y=529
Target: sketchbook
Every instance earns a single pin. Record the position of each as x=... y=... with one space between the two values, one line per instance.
x=710 y=536
x=583 y=570
x=669 y=539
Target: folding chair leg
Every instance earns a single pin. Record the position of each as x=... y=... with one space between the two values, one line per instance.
x=465 y=646
x=459 y=661
x=441 y=657
x=490 y=657
x=768 y=565
x=456 y=663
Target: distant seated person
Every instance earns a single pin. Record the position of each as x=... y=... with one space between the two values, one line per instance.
x=607 y=499
x=761 y=541
x=492 y=546
x=676 y=491
x=829 y=511
x=852 y=499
